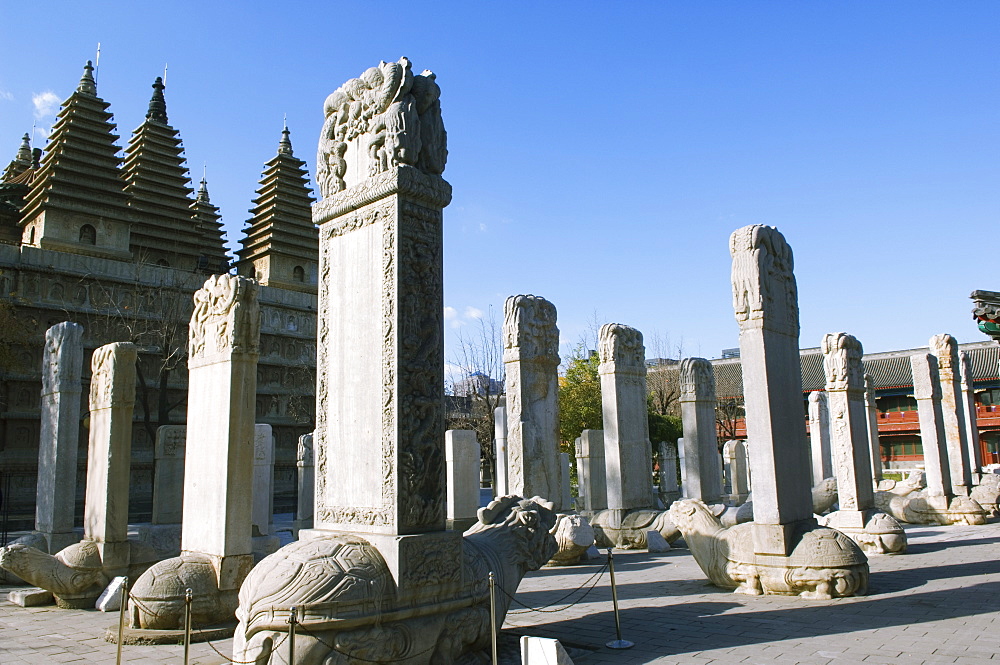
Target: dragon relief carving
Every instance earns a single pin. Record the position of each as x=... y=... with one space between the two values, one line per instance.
x=384 y=119
x=62 y=358
x=842 y=362
x=529 y=329
x=112 y=381
x=764 y=291
x=621 y=345
x=697 y=380
x=945 y=348
x=226 y=318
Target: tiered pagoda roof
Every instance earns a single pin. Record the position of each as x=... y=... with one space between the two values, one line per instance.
x=20 y=163
x=281 y=228
x=207 y=218
x=79 y=175
x=15 y=183
x=156 y=176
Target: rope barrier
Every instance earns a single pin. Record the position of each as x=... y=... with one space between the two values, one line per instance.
x=596 y=577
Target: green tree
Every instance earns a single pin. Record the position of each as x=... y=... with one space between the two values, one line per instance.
x=579 y=397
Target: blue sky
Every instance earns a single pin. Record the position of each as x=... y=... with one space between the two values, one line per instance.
x=602 y=153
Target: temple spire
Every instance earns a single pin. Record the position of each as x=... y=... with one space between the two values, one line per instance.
x=157 y=105
x=24 y=152
x=87 y=84
x=203 y=191
x=285 y=145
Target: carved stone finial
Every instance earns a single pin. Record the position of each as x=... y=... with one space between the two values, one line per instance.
x=24 y=152
x=203 y=192
x=945 y=347
x=226 y=318
x=157 y=104
x=764 y=291
x=529 y=329
x=697 y=380
x=621 y=345
x=285 y=145
x=842 y=362
x=111 y=382
x=87 y=84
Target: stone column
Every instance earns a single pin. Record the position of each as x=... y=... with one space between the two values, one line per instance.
x=223 y=347
x=565 y=486
x=501 y=480
x=306 y=477
x=766 y=306
x=627 y=450
x=927 y=392
x=669 y=490
x=945 y=348
x=819 y=436
x=262 y=495
x=168 y=475
x=681 y=465
x=590 y=471
x=59 y=435
x=701 y=454
x=971 y=419
x=531 y=362
x=872 y=410
x=462 y=456
x=734 y=454
x=109 y=456
x=845 y=389
x=379 y=438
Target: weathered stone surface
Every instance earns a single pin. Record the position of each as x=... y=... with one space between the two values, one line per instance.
x=168 y=478
x=62 y=365
x=501 y=481
x=819 y=436
x=305 y=465
x=31 y=597
x=734 y=455
x=110 y=599
x=655 y=542
x=543 y=651
x=565 y=487
x=574 y=536
x=701 y=453
x=971 y=420
x=945 y=349
x=462 y=454
x=627 y=450
x=927 y=393
x=531 y=362
x=669 y=489
x=872 y=408
x=590 y=469
x=263 y=480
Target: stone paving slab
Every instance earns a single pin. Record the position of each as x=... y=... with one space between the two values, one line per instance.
x=938 y=604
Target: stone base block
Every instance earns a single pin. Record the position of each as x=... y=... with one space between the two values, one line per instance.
x=141 y=637
x=656 y=542
x=543 y=651
x=31 y=597
x=778 y=539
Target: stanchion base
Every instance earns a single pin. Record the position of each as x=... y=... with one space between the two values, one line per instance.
x=620 y=644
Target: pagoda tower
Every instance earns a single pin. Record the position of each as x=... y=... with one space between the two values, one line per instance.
x=15 y=183
x=281 y=247
x=77 y=201
x=207 y=219
x=156 y=179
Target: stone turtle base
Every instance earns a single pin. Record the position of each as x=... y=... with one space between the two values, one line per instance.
x=139 y=636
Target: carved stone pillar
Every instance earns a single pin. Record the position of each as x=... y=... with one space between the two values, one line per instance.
x=872 y=409
x=168 y=476
x=701 y=454
x=223 y=347
x=627 y=450
x=734 y=455
x=501 y=479
x=927 y=392
x=305 y=467
x=669 y=489
x=971 y=419
x=109 y=456
x=531 y=362
x=953 y=414
x=590 y=469
x=765 y=301
x=59 y=436
x=379 y=438
x=819 y=436
x=845 y=389
x=462 y=456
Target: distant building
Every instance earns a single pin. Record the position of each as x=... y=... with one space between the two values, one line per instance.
x=477 y=383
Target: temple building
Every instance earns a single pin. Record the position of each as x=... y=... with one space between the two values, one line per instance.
x=119 y=241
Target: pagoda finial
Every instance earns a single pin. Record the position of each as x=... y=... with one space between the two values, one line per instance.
x=87 y=84
x=285 y=146
x=157 y=105
x=203 y=191
x=24 y=152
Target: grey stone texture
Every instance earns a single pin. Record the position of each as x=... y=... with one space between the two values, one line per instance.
x=927 y=392
x=590 y=469
x=531 y=363
x=702 y=461
x=819 y=436
x=306 y=467
x=873 y=443
x=627 y=450
x=62 y=365
x=501 y=482
x=462 y=454
x=168 y=478
x=669 y=488
x=968 y=405
x=734 y=456
x=953 y=413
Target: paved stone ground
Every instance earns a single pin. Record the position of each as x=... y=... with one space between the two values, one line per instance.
x=938 y=604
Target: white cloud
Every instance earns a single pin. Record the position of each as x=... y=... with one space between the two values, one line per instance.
x=482 y=227
x=450 y=313
x=473 y=313
x=46 y=104
x=5 y=95
x=42 y=133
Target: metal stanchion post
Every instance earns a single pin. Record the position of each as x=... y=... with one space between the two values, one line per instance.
x=619 y=643
x=121 y=620
x=291 y=636
x=493 y=618
x=187 y=624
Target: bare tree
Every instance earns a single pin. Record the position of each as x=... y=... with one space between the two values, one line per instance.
x=728 y=414
x=662 y=353
x=475 y=382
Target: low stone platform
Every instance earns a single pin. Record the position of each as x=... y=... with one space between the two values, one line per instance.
x=938 y=604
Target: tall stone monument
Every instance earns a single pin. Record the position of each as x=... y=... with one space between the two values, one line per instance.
x=953 y=413
x=734 y=455
x=627 y=450
x=531 y=361
x=62 y=365
x=872 y=409
x=501 y=478
x=305 y=465
x=669 y=489
x=701 y=453
x=109 y=457
x=590 y=470
x=168 y=474
x=262 y=510
x=874 y=531
x=819 y=436
x=462 y=457
x=971 y=419
x=927 y=393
